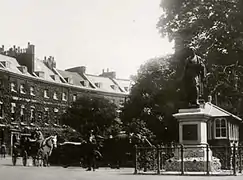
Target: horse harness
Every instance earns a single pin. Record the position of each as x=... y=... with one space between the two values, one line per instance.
x=43 y=144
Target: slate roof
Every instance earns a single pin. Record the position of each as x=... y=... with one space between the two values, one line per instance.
x=216 y=111
x=124 y=84
x=40 y=66
x=76 y=78
x=13 y=65
x=106 y=83
x=209 y=109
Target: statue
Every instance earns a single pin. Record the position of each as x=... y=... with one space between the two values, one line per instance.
x=194 y=78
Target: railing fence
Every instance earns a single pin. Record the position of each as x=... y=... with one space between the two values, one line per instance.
x=207 y=160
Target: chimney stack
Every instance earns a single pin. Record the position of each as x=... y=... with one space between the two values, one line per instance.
x=108 y=74
x=80 y=70
x=2 y=49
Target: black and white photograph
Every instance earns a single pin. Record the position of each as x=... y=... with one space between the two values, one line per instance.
x=121 y=89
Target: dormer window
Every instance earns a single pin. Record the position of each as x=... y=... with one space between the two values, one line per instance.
x=22 y=89
x=6 y=64
x=220 y=128
x=85 y=83
x=46 y=93
x=32 y=91
x=40 y=74
x=64 y=96
x=55 y=96
x=126 y=89
x=13 y=87
x=98 y=85
x=113 y=86
x=69 y=80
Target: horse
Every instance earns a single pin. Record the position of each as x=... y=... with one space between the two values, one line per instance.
x=45 y=150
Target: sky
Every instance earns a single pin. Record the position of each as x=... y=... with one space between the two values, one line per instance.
x=116 y=34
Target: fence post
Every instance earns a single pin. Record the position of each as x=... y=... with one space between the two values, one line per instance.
x=207 y=159
x=136 y=161
x=182 y=163
x=234 y=159
x=158 y=159
x=240 y=165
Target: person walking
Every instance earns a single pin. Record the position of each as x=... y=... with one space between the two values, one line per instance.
x=3 y=150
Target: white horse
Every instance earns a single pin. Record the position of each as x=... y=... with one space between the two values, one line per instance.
x=46 y=149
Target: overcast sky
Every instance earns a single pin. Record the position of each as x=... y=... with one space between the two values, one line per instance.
x=100 y=34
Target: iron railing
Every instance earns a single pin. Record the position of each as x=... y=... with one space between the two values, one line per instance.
x=205 y=159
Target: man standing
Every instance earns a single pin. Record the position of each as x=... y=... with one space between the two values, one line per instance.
x=3 y=150
x=39 y=137
x=91 y=145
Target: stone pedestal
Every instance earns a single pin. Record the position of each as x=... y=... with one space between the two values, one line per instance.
x=193 y=137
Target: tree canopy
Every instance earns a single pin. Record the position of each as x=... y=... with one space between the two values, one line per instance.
x=92 y=113
x=152 y=100
x=214 y=29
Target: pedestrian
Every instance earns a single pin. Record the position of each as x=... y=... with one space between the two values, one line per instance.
x=91 y=147
x=3 y=150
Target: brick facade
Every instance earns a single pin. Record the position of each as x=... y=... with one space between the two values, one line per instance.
x=28 y=99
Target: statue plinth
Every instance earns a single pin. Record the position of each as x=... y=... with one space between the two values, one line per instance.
x=193 y=137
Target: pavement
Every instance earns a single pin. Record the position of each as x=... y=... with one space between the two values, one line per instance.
x=19 y=172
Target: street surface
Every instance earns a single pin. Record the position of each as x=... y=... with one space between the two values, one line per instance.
x=19 y=172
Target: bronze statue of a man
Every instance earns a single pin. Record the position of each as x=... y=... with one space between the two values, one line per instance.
x=194 y=76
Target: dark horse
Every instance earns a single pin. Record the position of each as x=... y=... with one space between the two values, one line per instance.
x=84 y=154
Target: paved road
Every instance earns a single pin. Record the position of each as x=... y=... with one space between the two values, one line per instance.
x=19 y=172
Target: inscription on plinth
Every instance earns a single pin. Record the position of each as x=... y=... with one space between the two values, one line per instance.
x=189 y=132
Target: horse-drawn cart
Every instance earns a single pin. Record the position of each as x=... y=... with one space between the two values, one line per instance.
x=20 y=149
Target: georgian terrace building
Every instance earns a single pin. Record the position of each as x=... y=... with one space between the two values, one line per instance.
x=34 y=93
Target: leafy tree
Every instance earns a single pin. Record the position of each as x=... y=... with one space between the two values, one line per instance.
x=152 y=101
x=92 y=113
x=214 y=28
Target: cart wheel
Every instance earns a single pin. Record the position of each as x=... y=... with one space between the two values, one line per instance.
x=14 y=159
x=24 y=159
